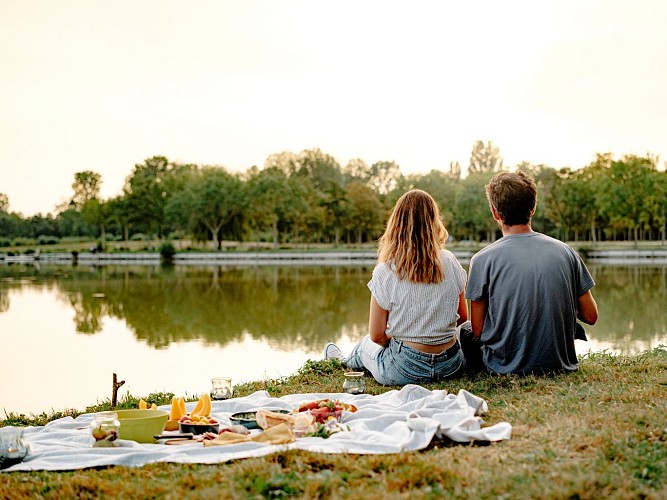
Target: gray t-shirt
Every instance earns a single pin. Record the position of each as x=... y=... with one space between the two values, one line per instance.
x=420 y=312
x=532 y=284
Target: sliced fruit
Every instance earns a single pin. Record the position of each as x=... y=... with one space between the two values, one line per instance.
x=175 y=411
x=197 y=410
x=203 y=406
x=207 y=404
x=171 y=425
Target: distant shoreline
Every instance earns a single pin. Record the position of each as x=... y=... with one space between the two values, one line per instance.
x=321 y=257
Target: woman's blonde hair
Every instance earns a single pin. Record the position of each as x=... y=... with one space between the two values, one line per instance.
x=413 y=238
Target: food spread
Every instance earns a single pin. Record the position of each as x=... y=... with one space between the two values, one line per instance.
x=317 y=418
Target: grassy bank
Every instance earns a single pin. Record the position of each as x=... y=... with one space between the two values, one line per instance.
x=600 y=432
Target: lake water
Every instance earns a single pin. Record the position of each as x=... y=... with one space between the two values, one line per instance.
x=64 y=330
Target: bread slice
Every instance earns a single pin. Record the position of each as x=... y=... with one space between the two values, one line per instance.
x=268 y=418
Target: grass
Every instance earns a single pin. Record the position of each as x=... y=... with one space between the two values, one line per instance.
x=599 y=432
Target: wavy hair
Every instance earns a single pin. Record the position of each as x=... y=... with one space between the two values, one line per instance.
x=413 y=238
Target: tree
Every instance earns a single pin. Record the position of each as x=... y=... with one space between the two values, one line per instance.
x=485 y=158
x=384 y=176
x=70 y=222
x=86 y=187
x=320 y=168
x=356 y=170
x=454 y=170
x=661 y=195
x=98 y=214
x=628 y=193
x=4 y=203
x=270 y=197
x=148 y=190
x=287 y=162
x=119 y=212
x=365 y=215
x=337 y=207
x=213 y=198
x=473 y=218
x=545 y=178
x=443 y=188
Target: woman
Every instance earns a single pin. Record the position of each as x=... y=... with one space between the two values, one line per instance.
x=417 y=300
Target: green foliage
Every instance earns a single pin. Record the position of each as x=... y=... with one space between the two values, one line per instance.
x=167 y=250
x=21 y=242
x=44 y=239
x=308 y=198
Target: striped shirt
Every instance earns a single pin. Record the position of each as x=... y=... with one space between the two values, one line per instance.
x=420 y=312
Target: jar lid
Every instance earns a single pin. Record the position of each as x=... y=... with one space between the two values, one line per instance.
x=353 y=374
x=106 y=414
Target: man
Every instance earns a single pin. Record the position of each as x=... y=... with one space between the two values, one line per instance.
x=527 y=290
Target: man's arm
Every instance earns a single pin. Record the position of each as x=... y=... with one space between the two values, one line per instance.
x=377 y=324
x=477 y=315
x=587 y=310
x=463 y=310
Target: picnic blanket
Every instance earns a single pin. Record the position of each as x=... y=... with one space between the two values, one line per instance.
x=392 y=422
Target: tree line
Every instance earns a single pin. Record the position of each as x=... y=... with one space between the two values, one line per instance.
x=308 y=197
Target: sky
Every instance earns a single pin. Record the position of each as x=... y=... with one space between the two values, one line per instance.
x=103 y=85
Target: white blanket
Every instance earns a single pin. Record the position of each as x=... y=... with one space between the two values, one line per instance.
x=393 y=422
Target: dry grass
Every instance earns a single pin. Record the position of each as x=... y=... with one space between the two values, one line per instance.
x=600 y=432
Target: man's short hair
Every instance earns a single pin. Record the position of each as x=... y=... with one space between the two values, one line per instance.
x=513 y=196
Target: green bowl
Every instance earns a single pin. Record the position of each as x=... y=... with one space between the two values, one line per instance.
x=141 y=425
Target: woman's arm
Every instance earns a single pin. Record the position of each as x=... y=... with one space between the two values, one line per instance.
x=463 y=310
x=377 y=324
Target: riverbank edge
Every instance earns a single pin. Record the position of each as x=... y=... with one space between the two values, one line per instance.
x=652 y=256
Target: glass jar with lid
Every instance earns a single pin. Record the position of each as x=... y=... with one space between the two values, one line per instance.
x=13 y=447
x=354 y=383
x=105 y=428
x=221 y=388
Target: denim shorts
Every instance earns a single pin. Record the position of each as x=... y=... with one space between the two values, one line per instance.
x=400 y=364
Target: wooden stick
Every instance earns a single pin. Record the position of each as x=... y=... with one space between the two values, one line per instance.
x=114 y=394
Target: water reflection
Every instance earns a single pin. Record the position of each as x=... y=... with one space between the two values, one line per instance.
x=219 y=305
x=631 y=301
x=173 y=328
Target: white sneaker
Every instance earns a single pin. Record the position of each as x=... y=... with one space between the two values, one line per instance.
x=331 y=351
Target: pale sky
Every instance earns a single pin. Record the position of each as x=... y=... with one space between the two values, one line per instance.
x=103 y=85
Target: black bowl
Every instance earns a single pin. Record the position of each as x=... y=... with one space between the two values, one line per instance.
x=248 y=419
x=198 y=428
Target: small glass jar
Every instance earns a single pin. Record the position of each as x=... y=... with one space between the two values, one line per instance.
x=105 y=429
x=221 y=388
x=354 y=383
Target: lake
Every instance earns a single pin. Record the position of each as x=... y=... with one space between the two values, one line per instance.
x=66 y=329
